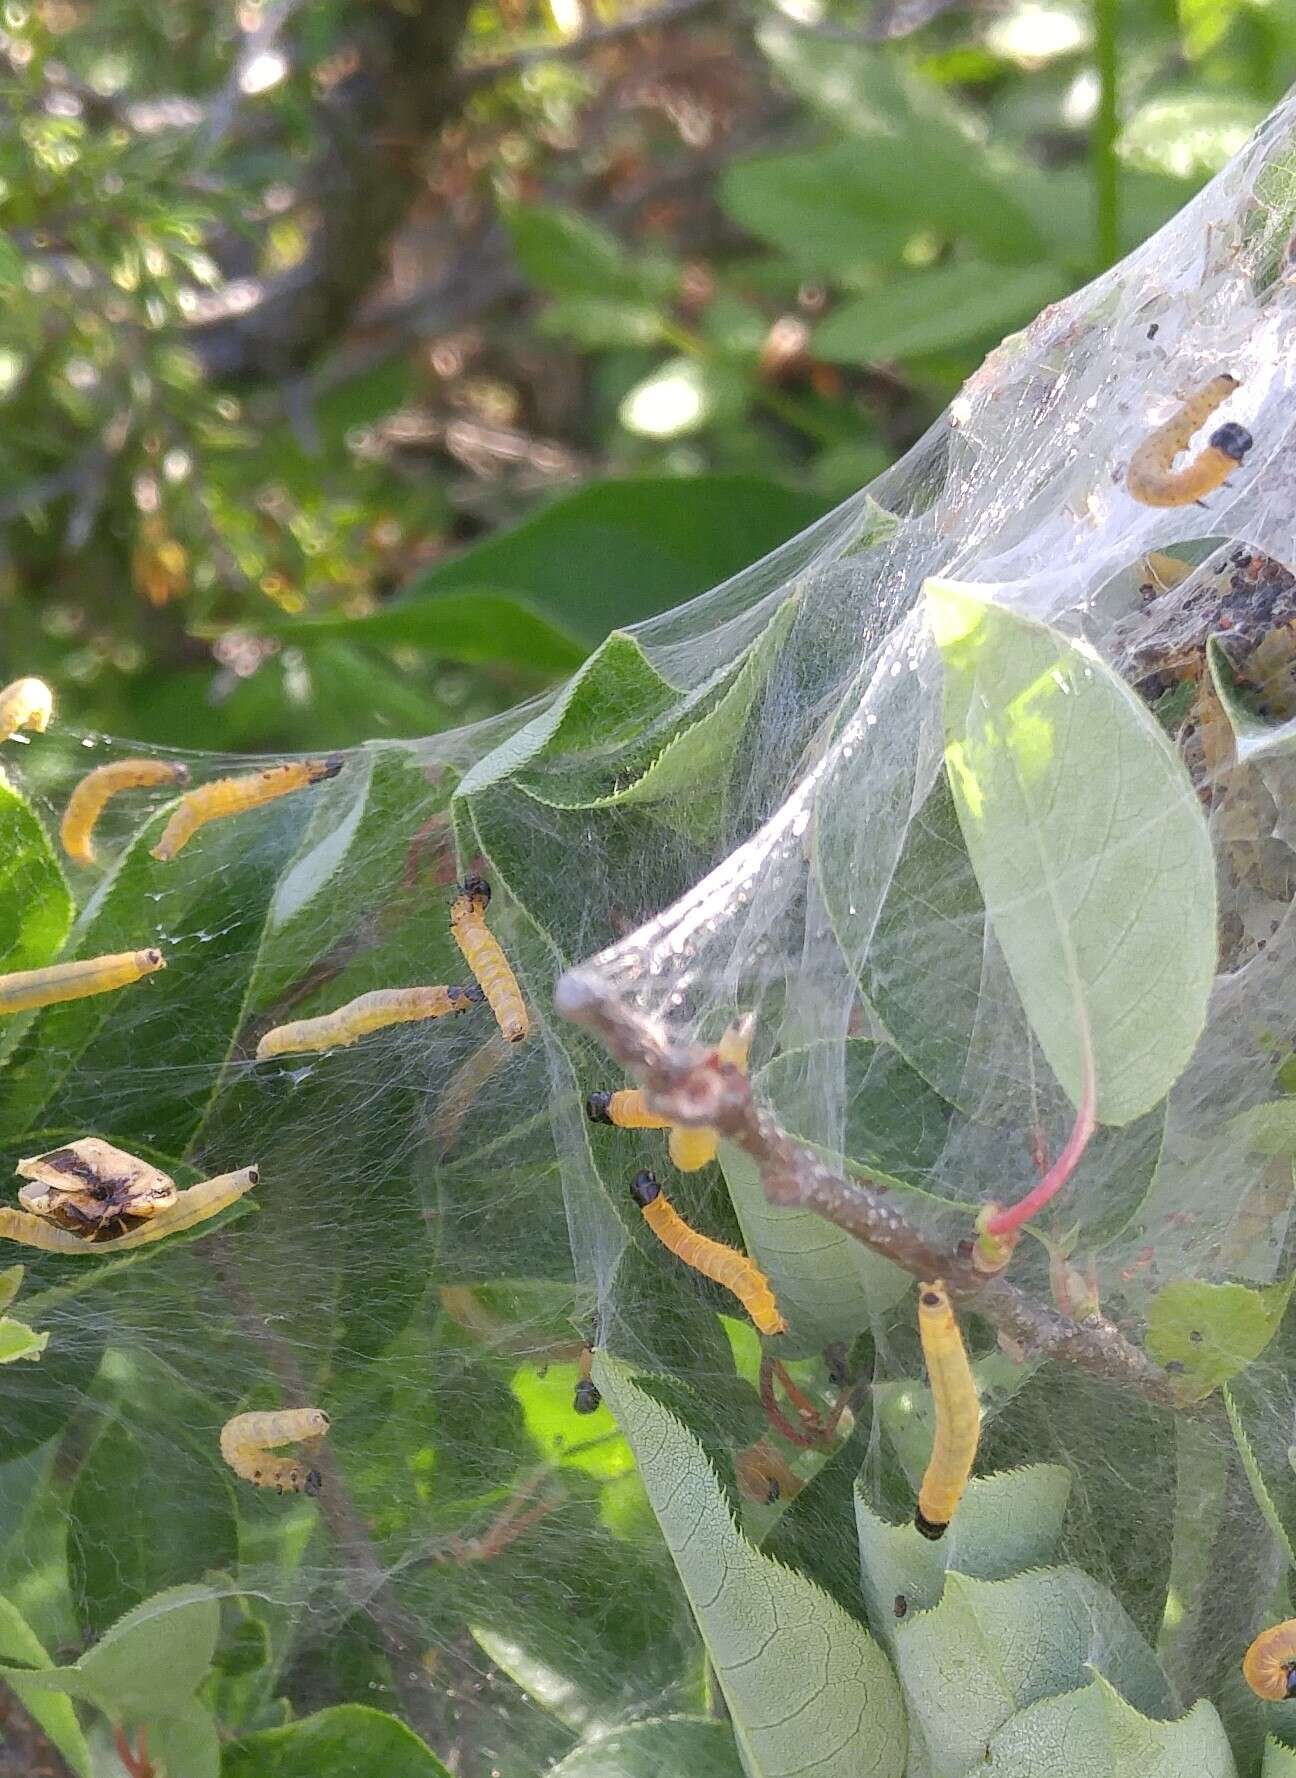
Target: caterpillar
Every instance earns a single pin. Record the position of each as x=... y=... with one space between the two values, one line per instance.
x=87 y=801
x=483 y=955
x=27 y=703
x=201 y=1202
x=958 y=1412
x=625 y=1110
x=1152 y=481
x=690 y=1149
x=1269 y=1665
x=587 y=1399
x=462 y=1091
x=366 y=1013
x=247 y=1439
x=235 y=796
x=723 y=1265
x=29 y=988
x=764 y=1476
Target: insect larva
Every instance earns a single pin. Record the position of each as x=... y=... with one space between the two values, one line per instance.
x=723 y=1265
x=587 y=1398
x=368 y=1012
x=763 y=1475
x=247 y=1439
x=690 y=1148
x=462 y=1090
x=27 y=703
x=482 y=953
x=198 y=1204
x=86 y=803
x=957 y=1409
x=1269 y=1665
x=30 y=988
x=1152 y=481
x=235 y=796
x=625 y=1110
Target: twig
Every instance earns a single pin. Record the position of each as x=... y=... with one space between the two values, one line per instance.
x=570 y=49
x=691 y=1087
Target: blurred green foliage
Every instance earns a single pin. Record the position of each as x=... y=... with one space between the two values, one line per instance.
x=723 y=271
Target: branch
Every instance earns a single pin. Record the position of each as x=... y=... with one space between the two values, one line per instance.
x=691 y=1087
x=570 y=49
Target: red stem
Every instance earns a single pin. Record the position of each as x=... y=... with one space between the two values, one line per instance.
x=1007 y=1222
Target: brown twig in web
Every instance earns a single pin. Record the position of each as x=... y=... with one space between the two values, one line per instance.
x=691 y=1087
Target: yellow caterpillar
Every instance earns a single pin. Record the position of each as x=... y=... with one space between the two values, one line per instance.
x=690 y=1149
x=87 y=801
x=29 y=988
x=723 y=1265
x=957 y=1409
x=484 y=956
x=247 y=1439
x=198 y=1204
x=235 y=796
x=366 y=1013
x=1150 y=478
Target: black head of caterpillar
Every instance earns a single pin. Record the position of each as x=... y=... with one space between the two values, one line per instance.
x=330 y=767
x=645 y=1189
x=1231 y=440
x=596 y=1108
x=587 y=1398
x=473 y=994
x=478 y=891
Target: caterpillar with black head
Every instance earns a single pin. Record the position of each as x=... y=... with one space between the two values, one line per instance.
x=1151 y=479
x=723 y=1265
x=957 y=1410
x=235 y=796
x=247 y=1440
x=28 y=989
x=484 y=955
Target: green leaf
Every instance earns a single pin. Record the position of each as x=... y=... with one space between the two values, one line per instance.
x=1213 y=1330
x=10 y=1284
x=1255 y=736
x=1006 y=1644
x=54 y=1714
x=818 y=207
x=1268 y=1471
x=923 y=156
x=1089 y=845
x=1189 y=135
x=1279 y=1761
x=614 y=695
x=473 y=626
x=1007 y=1523
x=1094 y=1730
x=186 y=1741
x=17 y=1340
x=349 y=1738
x=148 y=1664
x=828 y=1284
x=662 y=1748
x=147 y=1551
x=566 y=254
x=806 y=1686
x=954 y=306
x=617 y=551
x=35 y=903
x=601 y=322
